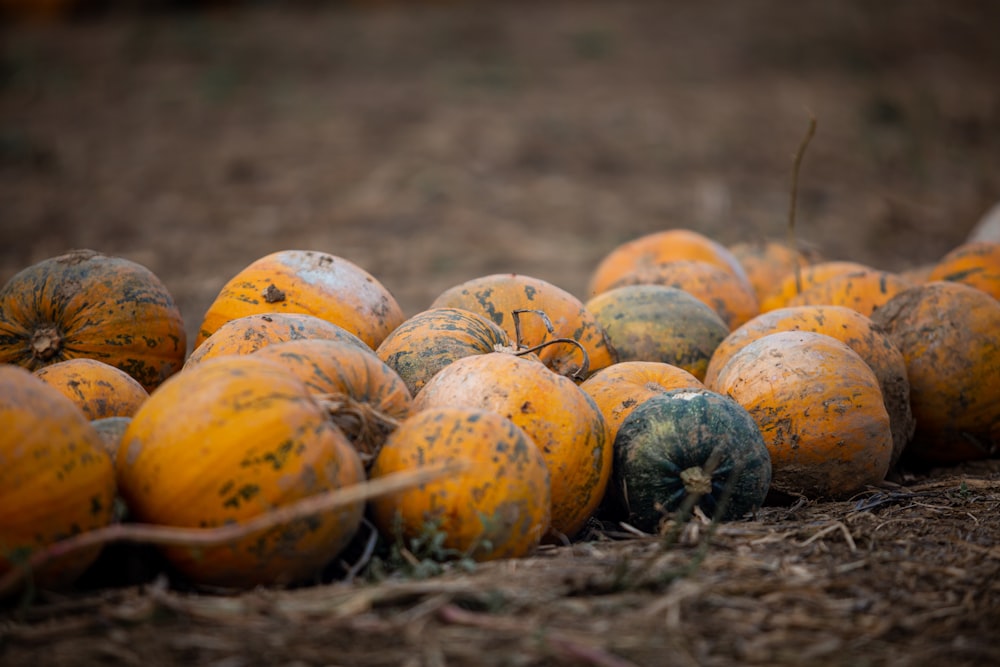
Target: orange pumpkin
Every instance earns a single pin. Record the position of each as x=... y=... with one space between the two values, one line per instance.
x=430 y=340
x=56 y=480
x=818 y=406
x=97 y=388
x=731 y=298
x=555 y=413
x=863 y=291
x=85 y=304
x=498 y=507
x=658 y=248
x=619 y=388
x=314 y=283
x=252 y=332
x=226 y=441
x=848 y=326
x=976 y=264
x=767 y=263
x=799 y=281
x=363 y=396
x=659 y=323
x=497 y=297
x=948 y=335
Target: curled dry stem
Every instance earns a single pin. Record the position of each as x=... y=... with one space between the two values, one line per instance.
x=365 y=425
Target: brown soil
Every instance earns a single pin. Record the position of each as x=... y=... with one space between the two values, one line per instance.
x=435 y=143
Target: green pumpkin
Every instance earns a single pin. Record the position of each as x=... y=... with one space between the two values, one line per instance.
x=690 y=441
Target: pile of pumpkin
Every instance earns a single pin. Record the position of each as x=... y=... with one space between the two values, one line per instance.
x=720 y=377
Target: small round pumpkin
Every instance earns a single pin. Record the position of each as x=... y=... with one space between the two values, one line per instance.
x=659 y=323
x=768 y=262
x=863 y=291
x=430 y=340
x=226 y=441
x=305 y=281
x=498 y=507
x=97 y=388
x=56 y=479
x=976 y=263
x=690 y=442
x=556 y=414
x=498 y=297
x=799 y=281
x=947 y=333
x=85 y=304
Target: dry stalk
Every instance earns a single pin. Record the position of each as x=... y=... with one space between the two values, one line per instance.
x=794 y=195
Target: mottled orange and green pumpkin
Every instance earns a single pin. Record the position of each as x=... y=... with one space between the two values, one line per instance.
x=556 y=414
x=976 y=263
x=497 y=507
x=56 y=479
x=863 y=290
x=818 y=406
x=305 y=281
x=229 y=440
x=85 y=304
x=496 y=297
x=949 y=336
x=98 y=389
x=430 y=340
x=798 y=281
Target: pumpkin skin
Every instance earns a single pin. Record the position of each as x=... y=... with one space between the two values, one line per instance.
x=98 y=389
x=245 y=335
x=732 y=299
x=430 y=340
x=850 y=327
x=85 y=304
x=562 y=420
x=658 y=248
x=947 y=334
x=863 y=291
x=363 y=396
x=976 y=263
x=227 y=441
x=768 y=262
x=659 y=323
x=811 y=275
x=619 y=388
x=56 y=480
x=690 y=442
x=819 y=408
x=496 y=508
x=314 y=283
x=497 y=296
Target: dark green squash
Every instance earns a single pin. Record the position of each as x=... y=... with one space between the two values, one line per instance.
x=690 y=441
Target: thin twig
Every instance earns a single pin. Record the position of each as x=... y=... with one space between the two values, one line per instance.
x=794 y=194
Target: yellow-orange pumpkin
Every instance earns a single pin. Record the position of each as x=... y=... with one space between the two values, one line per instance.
x=863 y=291
x=56 y=480
x=768 y=262
x=498 y=507
x=799 y=281
x=85 y=304
x=97 y=388
x=976 y=263
x=226 y=441
x=304 y=281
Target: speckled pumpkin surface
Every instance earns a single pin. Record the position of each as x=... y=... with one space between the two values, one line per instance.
x=863 y=290
x=976 y=263
x=98 y=389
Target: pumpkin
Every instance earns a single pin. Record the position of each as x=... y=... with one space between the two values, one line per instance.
x=850 y=327
x=863 y=291
x=799 y=281
x=498 y=507
x=430 y=340
x=498 y=297
x=314 y=283
x=976 y=263
x=56 y=480
x=556 y=414
x=363 y=396
x=85 y=304
x=818 y=406
x=659 y=323
x=97 y=388
x=690 y=443
x=228 y=440
x=619 y=388
x=658 y=248
x=252 y=332
x=731 y=298
x=947 y=334
x=768 y=262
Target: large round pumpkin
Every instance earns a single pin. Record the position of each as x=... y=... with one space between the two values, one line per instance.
x=229 y=440
x=498 y=507
x=97 y=388
x=56 y=480
x=768 y=262
x=306 y=281
x=85 y=304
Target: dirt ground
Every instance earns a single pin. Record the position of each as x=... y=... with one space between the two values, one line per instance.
x=433 y=143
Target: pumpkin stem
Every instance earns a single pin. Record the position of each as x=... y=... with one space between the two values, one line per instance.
x=516 y=316
x=580 y=373
x=796 y=167
x=366 y=426
x=696 y=481
x=46 y=343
